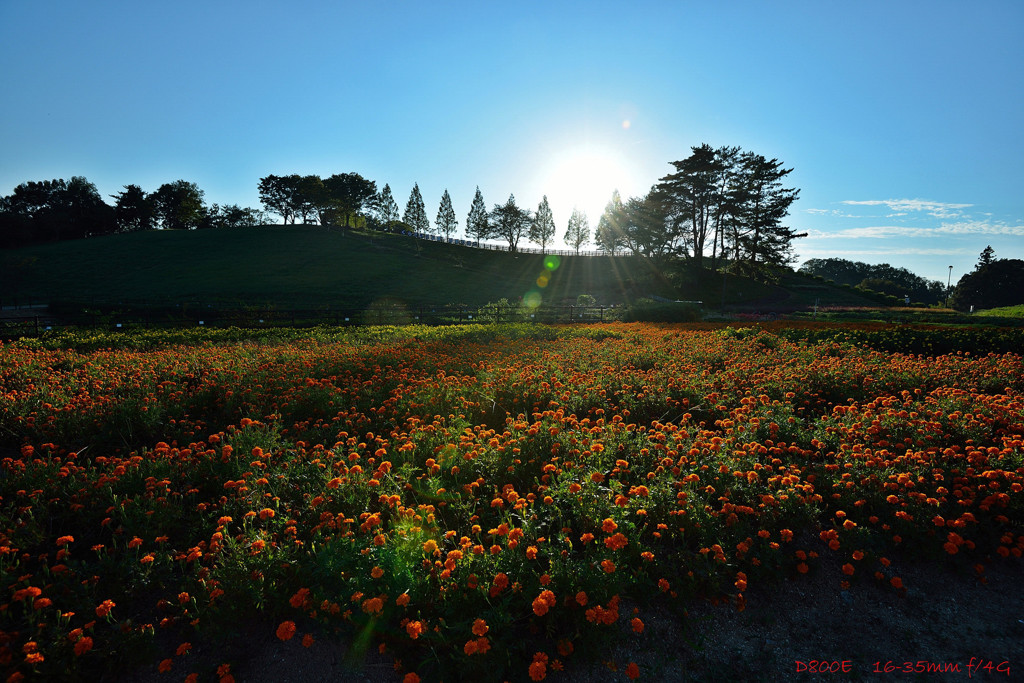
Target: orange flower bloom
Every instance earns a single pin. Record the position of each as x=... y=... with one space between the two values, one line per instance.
x=637 y=624
x=608 y=566
x=308 y=640
x=83 y=645
x=609 y=525
x=286 y=630
x=165 y=666
x=480 y=627
x=414 y=629
x=104 y=608
x=267 y=513
x=632 y=671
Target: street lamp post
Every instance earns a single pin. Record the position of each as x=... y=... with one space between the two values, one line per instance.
x=949 y=279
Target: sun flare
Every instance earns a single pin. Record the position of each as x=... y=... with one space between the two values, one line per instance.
x=585 y=177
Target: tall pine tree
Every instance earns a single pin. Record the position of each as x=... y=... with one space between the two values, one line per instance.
x=542 y=230
x=478 y=226
x=416 y=212
x=446 y=222
x=387 y=208
x=578 y=232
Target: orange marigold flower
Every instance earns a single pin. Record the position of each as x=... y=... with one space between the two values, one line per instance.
x=411 y=678
x=183 y=648
x=165 y=666
x=632 y=671
x=616 y=542
x=637 y=624
x=414 y=629
x=608 y=566
x=103 y=609
x=470 y=647
x=482 y=645
x=65 y=540
x=848 y=569
x=83 y=645
x=802 y=568
x=480 y=627
x=308 y=640
x=267 y=513
x=538 y=670
x=402 y=600
x=581 y=598
x=531 y=552
x=376 y=572
x=609 y=525
x=286 y=630
x=896 y=582
x=858 y=555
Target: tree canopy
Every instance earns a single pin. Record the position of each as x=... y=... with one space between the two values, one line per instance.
x=542 y=229
x=578 y=232
x=509 y=222
x=415 y=211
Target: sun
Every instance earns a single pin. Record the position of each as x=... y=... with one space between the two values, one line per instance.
x=585 y=177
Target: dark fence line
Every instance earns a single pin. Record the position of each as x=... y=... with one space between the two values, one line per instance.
x=35 y=325
x=429 y=237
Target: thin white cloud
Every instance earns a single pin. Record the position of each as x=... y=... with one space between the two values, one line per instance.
x=904 y=206
x=907 y=232
x=895 y=251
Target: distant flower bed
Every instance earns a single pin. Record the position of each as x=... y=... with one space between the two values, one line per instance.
x=479 y=501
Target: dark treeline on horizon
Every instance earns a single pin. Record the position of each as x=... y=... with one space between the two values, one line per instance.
x=719 y=207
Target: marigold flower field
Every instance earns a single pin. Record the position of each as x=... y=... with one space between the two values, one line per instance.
x=480 y=502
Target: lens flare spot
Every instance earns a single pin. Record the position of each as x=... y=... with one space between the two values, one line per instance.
x=542 y=281
x=626 y=124
x=532 y=299
x=551 y=262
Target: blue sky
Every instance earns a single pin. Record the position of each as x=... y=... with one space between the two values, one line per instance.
x=903 y=121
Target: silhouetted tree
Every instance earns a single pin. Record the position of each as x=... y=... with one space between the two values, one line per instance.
x=415 y=211
x=509 y=222
x=578 y=232
x=610 y=235
x=998 y=284
x=348 y=193
x=179 y=205
x=446 y=222
x=134 y=210
x=277 y=194
x=646 y=225
x=232 y=216
x=56 y=210
x=987 y=256
x=386 y=208
x=478 y=225
x=760 y=205
x=542 y=229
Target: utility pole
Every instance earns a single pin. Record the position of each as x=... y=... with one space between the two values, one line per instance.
x=949 y=279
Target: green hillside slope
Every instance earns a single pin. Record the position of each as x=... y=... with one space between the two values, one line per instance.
x=309 y=266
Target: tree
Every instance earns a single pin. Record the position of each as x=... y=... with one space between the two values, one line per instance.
x=386 y=207
x=509 y=222
x=693 y=198
x=542 y=229
x=478 y=224
x=233 y=216
x=134 y=210
x=309 y=197
x=446 y=222
x=348 y=193
x=415 y=211
x=610 y=235
x=986 y=258
x=179 y=205
x=1000 y=283
x=760 y=204
x=578 y=232
x=645 y=225
x=277 y=194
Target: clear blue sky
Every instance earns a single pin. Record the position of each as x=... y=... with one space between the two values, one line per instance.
x=904 y=121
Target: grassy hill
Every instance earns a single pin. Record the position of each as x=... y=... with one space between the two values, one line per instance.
x=311 y=267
